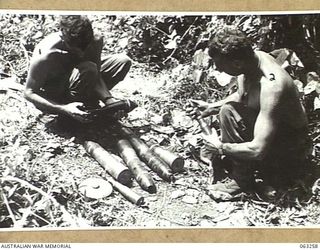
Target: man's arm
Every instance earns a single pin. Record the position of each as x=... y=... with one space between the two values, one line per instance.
x=234 y=97
x=265 y=126
x=35 y=81
x=208 y=109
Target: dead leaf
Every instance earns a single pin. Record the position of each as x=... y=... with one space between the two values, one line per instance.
x=316 y=103
x=192 y=192
x=189 y=199
x=123 y=42
x=162 y=129
x=310 y=87
x=177 y=194
x=219 y=196
x=10 y=83
x=38 y=35
x=180 y=119
x=156 y=119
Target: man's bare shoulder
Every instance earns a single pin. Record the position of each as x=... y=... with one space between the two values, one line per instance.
x=50 y=57
x=48 y=64
x=49 y=50
x=273 y=73
x=50 y=42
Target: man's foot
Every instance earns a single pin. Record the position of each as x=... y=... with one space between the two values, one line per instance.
x=264 y=190
x=110 y=100
x=225 y=191
x=221 y=168
x=112 y=106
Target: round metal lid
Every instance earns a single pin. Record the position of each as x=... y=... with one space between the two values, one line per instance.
x=95 y=188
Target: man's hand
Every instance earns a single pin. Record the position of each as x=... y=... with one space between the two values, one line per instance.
x=206 y=109
x=72 y=110
x=212 y=142
x=193 y=107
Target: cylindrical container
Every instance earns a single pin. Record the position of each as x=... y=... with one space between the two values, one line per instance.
x=117 y=170
x=137 y=167
x=127 y=192
x=175 y=162
x=204 y=126
x=145 y=153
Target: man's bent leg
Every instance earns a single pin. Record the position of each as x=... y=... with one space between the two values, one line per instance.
x=237 y=126
x=237 y=123
x=114 y=68
x=82 y=83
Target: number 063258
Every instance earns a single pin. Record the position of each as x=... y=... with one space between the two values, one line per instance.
x=309 y=245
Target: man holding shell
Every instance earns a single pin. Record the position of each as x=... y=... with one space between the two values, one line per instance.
x=263 y=124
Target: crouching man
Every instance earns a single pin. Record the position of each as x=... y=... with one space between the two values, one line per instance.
x=67 y=74
x=263 y=124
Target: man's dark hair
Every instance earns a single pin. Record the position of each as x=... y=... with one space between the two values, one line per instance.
x=230 y=42
x=76 y=30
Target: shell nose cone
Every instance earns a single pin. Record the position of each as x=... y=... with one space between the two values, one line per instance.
x=131 y=105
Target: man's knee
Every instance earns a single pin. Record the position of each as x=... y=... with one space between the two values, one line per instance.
x=124 y=60
x=122 y=67
x=87 y=68
x=125 y=63
x=83 y=78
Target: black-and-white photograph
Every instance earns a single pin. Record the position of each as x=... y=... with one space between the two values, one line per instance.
x=159 y=120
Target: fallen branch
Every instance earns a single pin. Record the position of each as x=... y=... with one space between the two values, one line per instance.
x=44 y=194
x=247 y=214
x=5 y=200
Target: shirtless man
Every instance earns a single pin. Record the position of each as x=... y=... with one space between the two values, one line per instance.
x=67 y=74
x=263 y=124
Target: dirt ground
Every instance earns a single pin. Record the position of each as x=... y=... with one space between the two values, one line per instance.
x=50 y=156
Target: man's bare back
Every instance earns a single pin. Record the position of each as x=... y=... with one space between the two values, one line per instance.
x=52 y=59
x=271 y=80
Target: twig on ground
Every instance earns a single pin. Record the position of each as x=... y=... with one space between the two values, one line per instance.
x=66 y=214
x=247 y=214
x=41 y=218
x=5 y=200
x=316 y=138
